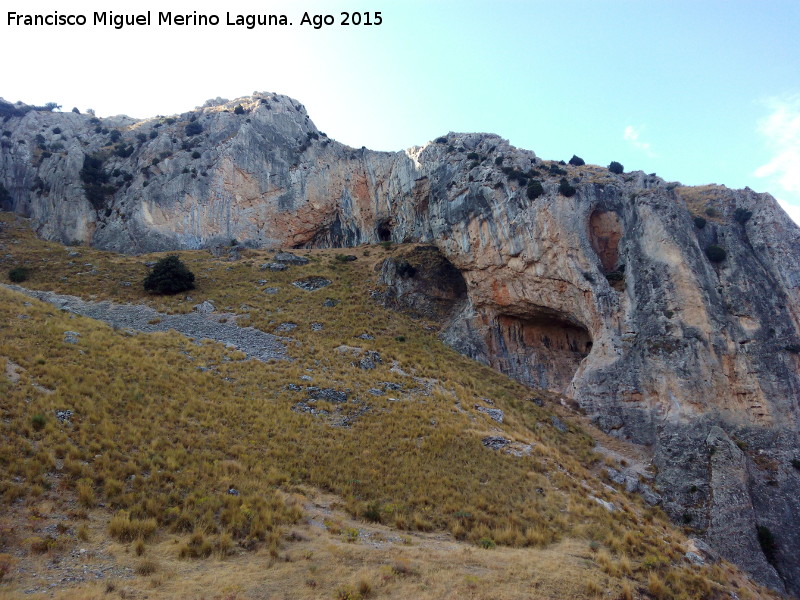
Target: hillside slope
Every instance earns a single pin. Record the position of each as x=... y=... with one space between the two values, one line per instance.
x=372 y=461
x=669 y=314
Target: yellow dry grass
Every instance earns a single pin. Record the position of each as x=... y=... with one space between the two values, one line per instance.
x=405 y=502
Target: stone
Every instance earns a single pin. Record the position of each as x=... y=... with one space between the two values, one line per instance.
x=610 y=507
x=273 y=266
x=271 y=290
x=290 y=259
x=312 y=283
x=495 y=442
x=558 y=424
x=285 y=327
x=64 y=415
x=370 y=360
x=71 y=337
x=330 y=303
x=328 y=394
x=494 y=413
x=205 y=307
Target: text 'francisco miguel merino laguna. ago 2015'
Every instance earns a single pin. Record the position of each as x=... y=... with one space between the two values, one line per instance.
x=118 y=21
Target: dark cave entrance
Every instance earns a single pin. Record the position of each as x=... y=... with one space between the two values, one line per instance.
x=384 y=231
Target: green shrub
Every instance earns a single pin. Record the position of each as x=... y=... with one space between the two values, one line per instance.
x=699 y=222
x=18 y=274
x=565 y=189
x=487 y=543
x=742 y=216
x=712 y=212
x=441 y=140
x=194 y=128
x=239 y=110
x=195 y=154
x=576 y=161
x=534 y=190
x=616 y=168
x=38 y=422
x=169 y=276
x=715 y=253
x=372 y=512
x=473 y=156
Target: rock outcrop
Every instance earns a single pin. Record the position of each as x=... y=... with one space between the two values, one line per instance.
x=608 y=288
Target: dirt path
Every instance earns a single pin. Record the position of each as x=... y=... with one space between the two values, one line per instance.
x=198 y=325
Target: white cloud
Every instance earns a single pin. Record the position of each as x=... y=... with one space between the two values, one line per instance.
x=632 y=135
x=781 y=132
x=793 y=210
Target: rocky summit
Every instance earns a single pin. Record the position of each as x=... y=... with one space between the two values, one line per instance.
x=669 y=315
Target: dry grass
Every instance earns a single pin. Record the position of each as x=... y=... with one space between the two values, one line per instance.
x=156 y=442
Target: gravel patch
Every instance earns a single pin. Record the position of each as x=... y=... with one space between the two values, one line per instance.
x=253 y=342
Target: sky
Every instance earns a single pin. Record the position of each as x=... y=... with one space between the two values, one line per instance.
x=697 y=92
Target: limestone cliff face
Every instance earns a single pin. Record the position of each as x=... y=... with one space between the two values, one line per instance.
x=604 y=292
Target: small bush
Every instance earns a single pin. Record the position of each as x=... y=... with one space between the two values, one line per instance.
x=534 y=190
x=699 y=222
x=742 y=216
x=441 y=140
x=18 y=274
x=487 y=543
x=194 y=128
x=473 y=156
x=715 y=253
x=169 y=276
x=616 y=168
x=38 y=422
x=195 y=154
x=576 y=161
x=793 y=348
x=239 y=110
x=372 y=512
x=712 y=212
x=125 y=529
x=146 y=567
x=565 y=189
x=7 y=564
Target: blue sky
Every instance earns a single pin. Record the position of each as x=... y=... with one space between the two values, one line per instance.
x=698 y=92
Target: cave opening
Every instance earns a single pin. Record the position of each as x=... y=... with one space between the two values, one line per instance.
x=384 y=231
x=542 y=348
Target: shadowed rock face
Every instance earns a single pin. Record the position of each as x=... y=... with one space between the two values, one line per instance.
x=607 y=296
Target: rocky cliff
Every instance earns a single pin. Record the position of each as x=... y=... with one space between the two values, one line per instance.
x=669 y=314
